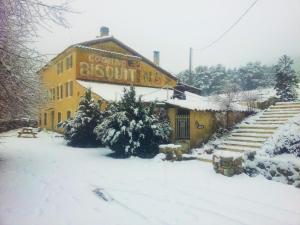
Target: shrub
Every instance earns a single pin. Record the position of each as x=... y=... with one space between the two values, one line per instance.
x=285 y=140
x=78 y=131
x=267 y=103
x=132 y=128
x=279 y=170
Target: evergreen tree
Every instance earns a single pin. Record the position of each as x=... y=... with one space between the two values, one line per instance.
x=211 y=79
x=132 y=128
x=251 y=76
x=286 y=79
x=78 y=131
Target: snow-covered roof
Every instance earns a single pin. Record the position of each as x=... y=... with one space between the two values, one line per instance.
x=106 y=51
x=114 y=92
x=203 y=103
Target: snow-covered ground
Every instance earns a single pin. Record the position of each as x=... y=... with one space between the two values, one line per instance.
x=45 y=182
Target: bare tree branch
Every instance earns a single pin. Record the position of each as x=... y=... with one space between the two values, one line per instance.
x=20 y=92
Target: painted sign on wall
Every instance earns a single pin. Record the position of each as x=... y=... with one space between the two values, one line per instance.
x=98 y=67
x=198 y=125
x=119 y=69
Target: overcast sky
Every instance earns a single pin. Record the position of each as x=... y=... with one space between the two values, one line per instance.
x=269 y=30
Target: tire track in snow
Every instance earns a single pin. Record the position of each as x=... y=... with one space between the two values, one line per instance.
x=182 y=203
x=228 y=195
x=232 y=207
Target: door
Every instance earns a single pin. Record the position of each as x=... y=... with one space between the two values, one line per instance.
x=52 y=120
x=182 y=124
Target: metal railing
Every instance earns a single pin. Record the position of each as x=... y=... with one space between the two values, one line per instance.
x=182 y=126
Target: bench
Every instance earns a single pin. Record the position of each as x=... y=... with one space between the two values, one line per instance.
x=27 y=131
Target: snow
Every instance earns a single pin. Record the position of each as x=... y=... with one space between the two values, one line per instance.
x=169 y=146
x=114 y=92
x=262 y=94
x=202 y=103
x=290 y=131
x=106 y=51
x=43 y=181
x=233 y=155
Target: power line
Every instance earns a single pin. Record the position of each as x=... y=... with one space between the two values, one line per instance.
x=229 y=29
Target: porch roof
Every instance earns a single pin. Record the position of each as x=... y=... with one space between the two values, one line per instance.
x=113 y=92
x=204 y=103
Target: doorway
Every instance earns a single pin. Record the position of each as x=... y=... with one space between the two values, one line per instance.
x=182 y=124
x=52 y=120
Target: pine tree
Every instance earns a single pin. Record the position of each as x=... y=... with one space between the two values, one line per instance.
x=78 y=131
x=132 y=128
x=252 y=76
x=211 y=79
x=286 y=79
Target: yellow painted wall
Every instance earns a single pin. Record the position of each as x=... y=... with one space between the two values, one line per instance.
x=198 y=136
x=51 y=79
x=206 y=120
x=149 y=76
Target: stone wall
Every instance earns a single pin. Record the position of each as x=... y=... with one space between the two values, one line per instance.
x=227 y=165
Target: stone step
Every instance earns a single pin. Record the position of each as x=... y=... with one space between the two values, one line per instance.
x=287 y=103
x=251 y=135
x=275 y=117
x=204 y=159
x=264 y=126
x=295 y=106
x=247 y=139
x=254 y=131
x=272 y=119
x=233 y=148
x=281 y=113
x=242 y=144
x=269 y=122
x=282 y=109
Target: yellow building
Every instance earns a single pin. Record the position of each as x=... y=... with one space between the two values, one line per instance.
x=107 y=65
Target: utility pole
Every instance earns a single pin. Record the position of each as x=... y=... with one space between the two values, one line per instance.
x=190 y=66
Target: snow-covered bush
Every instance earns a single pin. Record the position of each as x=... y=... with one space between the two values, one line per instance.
x=277 y=169
x=278 y=159
x=78 y=131
x=285 y=140
x=132 y=128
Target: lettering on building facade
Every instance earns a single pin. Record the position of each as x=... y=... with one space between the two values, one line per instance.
x=114 y=70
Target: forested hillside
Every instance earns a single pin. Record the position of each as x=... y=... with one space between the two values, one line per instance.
x=212 y=79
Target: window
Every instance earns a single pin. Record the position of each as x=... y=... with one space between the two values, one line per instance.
x=58 y=117
x=45 y=119
x=69 y=62
x=71 y=88
x=57 y=92
x=61 y=91
x=53 y=93
x=59 y=67
x=68 y=115
x=67 y=89
x=40 y=120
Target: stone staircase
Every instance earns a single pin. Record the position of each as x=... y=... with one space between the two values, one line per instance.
x=252 y=136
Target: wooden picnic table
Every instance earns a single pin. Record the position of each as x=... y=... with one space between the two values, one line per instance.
x=27 y=131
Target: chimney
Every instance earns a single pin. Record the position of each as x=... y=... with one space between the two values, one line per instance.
x=104 y=31
x=156 y=57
